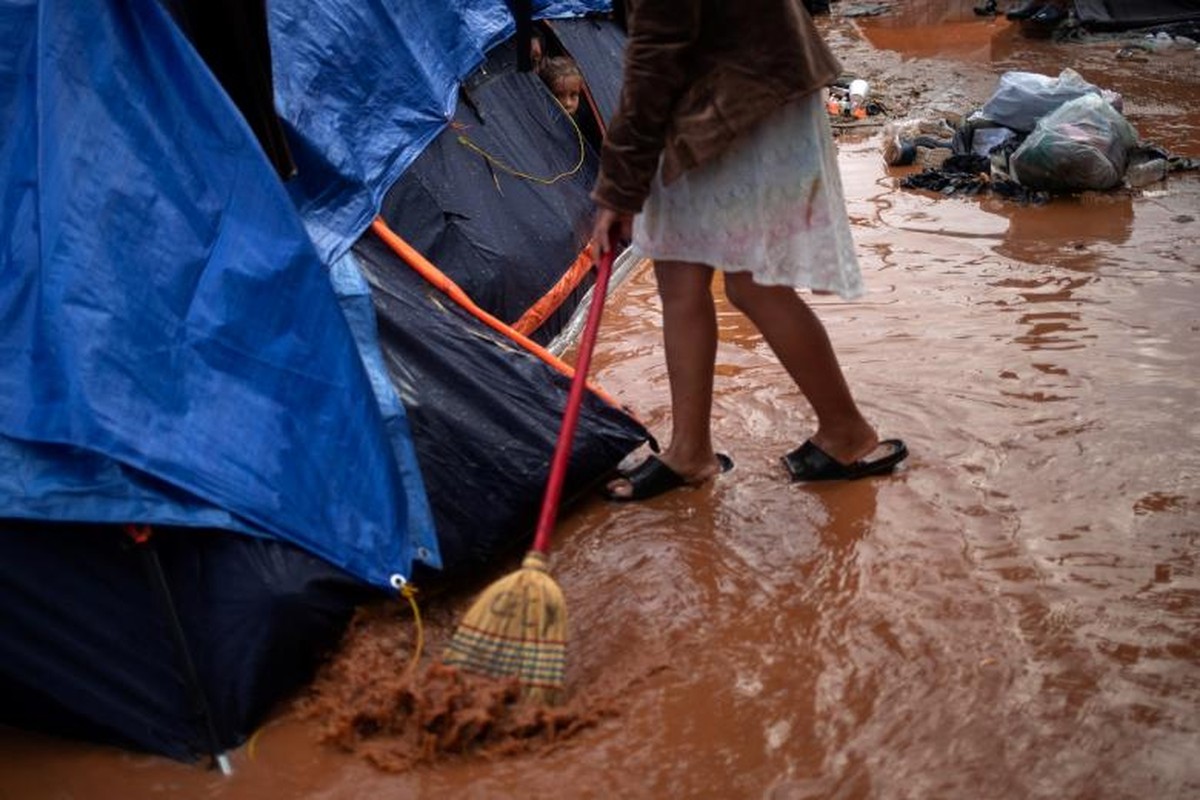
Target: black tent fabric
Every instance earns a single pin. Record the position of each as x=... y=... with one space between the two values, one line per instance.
x=88 y=651
x=504 y=239
x=500 y=204
x=1129 y=14
x=480 y=408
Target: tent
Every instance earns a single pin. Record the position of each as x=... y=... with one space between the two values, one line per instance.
x=233 y=407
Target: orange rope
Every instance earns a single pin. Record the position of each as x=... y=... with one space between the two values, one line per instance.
x=540 y=311
x=441 y=281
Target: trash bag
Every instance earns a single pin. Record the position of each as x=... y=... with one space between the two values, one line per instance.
x=987 y=139
x=1083 y=145
x=1022 y=98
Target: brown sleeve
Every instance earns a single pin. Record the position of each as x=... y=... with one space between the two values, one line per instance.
x=662 y=34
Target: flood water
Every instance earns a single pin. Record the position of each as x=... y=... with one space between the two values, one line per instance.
x=1014 y=614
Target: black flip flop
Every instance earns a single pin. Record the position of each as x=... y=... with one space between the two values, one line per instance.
x=652 y=477
x=810 y=463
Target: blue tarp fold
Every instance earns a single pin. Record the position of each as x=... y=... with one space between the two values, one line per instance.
x=170 y=338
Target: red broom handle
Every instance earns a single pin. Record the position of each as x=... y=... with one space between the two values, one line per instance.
x=562 y=450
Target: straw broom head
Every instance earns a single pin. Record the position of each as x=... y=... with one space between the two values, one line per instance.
x=517 y=628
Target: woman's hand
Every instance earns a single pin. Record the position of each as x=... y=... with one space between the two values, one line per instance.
x=610 y=231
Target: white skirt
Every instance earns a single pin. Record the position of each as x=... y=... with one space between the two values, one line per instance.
x=771 y=205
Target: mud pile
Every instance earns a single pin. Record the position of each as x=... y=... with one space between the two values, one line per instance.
x=373 y=699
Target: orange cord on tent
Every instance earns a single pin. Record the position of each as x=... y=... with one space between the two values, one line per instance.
x=540 y=311
x=441 y=281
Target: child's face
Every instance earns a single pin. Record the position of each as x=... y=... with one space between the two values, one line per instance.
x=567 y=92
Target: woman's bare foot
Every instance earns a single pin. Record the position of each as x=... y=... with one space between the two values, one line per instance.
x=849 y=444
x=664 y=472
x=844 y=452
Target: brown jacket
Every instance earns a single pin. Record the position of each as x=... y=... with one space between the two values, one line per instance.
x=698 y=74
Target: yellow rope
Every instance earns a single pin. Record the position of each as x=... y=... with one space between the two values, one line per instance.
x=410 y=594
x=500 y=165
x=252 y=745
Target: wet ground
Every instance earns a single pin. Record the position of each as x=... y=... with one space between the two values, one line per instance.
x=1014 y=614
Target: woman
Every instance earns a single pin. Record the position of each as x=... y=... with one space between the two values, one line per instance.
x=720 y=157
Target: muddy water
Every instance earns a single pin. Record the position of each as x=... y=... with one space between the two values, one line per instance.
x=1015 y=614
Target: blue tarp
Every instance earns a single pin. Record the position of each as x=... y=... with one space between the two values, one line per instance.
x=173 y=350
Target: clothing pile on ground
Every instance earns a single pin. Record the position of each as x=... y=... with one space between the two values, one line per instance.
x=1036 y=136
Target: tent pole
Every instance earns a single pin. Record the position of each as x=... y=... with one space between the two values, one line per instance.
x=158 y=581
x=522 y=11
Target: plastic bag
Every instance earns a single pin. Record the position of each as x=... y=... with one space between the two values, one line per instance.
x=1083 y=145
x=986 y=139
x=1022 y=98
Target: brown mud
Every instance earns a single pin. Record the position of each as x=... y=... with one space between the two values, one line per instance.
x=400 y=715
x=1014 y=614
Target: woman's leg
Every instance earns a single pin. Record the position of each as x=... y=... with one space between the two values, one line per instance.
x=690 y=343
x=800 y=342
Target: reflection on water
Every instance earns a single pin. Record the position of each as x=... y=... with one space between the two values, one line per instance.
x=1074 y=234
x=948 y=29
x=1014 y=614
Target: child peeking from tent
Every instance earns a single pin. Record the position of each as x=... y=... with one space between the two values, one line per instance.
x=561 y=74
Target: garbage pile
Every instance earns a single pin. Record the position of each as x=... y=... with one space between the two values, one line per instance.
x=848 y=101
x=1036 y=136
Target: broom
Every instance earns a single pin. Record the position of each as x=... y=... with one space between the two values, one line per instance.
x=518 y=626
